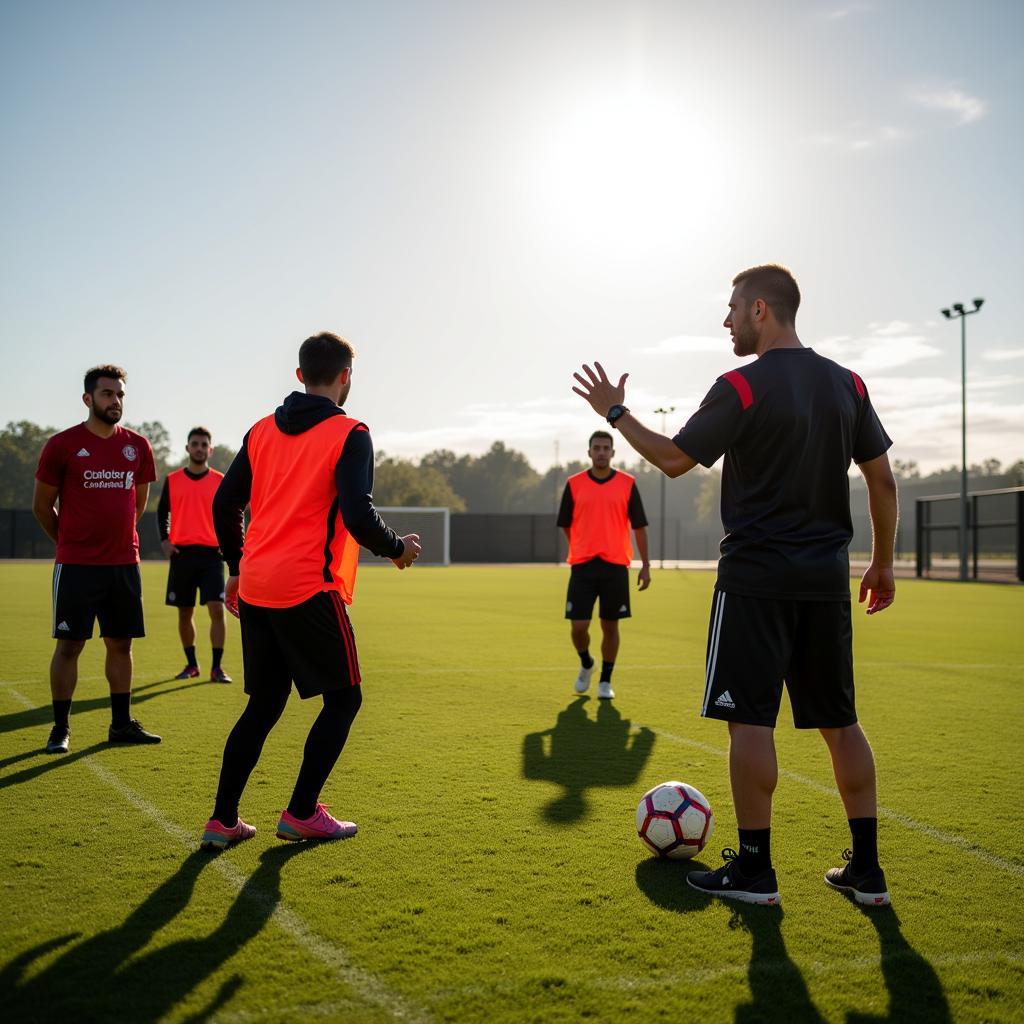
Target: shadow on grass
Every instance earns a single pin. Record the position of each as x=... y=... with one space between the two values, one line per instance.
x=42 y=716
x=107 y=977
x=583 y=753
x=915 y=992
x=777 y=988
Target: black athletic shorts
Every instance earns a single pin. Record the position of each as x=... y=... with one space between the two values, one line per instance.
x=193 y=568
x=84 y=593
x=310 y=644
x=593 y=580
x=755 y=644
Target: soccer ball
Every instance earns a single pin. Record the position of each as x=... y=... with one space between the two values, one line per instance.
x=674 y=820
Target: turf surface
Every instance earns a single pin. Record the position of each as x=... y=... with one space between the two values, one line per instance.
x=496 y=875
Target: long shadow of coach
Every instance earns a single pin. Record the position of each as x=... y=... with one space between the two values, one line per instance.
x=580 y=753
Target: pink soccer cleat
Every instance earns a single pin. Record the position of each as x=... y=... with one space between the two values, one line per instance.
x=218 y=837
x=320 y=825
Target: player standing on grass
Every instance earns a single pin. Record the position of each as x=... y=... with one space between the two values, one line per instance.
x=185 y=520
x=91 y=488
x=598 y=507
x=306 y=472
x=789 y=424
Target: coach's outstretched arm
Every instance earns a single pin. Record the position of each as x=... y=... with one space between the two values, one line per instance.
x=883 y=506
x=657 y=449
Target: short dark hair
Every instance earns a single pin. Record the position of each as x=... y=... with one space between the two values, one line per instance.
x=600 y=433
x=106 y=370
x=776 y=286
x=323 y=356
x=201 y=432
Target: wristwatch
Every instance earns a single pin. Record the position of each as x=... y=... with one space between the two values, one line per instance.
x=615 y=412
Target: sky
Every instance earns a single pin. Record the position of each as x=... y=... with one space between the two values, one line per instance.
x=482 y=196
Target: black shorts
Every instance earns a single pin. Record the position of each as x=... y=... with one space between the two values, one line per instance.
x=310 y=644
x=756 y=643
x=195 y=568
x=84 y=593
x=589 y=581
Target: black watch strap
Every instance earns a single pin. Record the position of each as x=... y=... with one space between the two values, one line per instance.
x=615 y=412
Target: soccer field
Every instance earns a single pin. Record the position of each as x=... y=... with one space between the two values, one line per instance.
x=497 y=875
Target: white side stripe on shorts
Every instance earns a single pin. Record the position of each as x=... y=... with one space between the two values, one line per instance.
x=716 y=632
x=56 y=587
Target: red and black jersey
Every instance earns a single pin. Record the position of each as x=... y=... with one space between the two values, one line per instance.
x=96 y=479
x=789 y=424
x=598 y=513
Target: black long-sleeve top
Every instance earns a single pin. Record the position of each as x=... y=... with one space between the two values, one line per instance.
x=353 y=475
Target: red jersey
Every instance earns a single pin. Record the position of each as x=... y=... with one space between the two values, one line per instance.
x=598 y=515
x=96 y=479
x=191 y=507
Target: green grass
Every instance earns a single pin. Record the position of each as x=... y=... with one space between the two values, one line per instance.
x=496 y=875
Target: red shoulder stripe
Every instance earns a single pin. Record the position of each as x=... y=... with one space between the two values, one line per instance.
x=739 y=382
x=858 y=384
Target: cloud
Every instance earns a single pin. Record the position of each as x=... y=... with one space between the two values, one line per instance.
x=839 y=13
x=689 y=343
x=884 y=347
x=858 y=136
x=953 y=100
x=1002 y=355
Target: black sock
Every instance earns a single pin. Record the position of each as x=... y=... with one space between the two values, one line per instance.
x=120 y=709
x=323 y=748
x=242 y=751
x=606 y=671
x=61 y=710
x=865 y=845
x=755 y=850
x=585 y=659
x=190 y=653
x=218 y=653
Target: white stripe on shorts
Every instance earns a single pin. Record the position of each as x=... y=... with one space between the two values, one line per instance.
x=716 y=632
x=56 y=587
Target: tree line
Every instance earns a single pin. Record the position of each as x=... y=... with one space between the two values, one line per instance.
x=500 y=480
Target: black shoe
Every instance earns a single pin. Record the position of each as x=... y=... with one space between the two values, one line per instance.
x=131 y=733
x=188 y=672
x=218 y=675
x=60 y=736
x=728 y=881
x=867 y=889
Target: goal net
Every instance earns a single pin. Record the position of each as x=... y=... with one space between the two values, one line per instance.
x=432 y=524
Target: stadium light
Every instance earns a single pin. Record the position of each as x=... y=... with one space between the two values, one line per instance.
x=664 y=412
x=961 y=314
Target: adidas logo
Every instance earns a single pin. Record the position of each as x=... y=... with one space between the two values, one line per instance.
x=64 y=626
x=725 y=701
x=83 y=451
x=623 y=609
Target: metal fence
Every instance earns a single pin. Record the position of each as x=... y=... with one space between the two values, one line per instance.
x=995 y=535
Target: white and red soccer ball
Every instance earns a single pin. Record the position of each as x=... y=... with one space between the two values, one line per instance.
x=674 y=820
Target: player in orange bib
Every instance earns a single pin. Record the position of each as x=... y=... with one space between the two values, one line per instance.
x=185 y=520
x=306 y=473
x=598 y=508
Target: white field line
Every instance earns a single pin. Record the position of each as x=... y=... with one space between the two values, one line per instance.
x=367 y=986
x=680 y=666
x=883 y=812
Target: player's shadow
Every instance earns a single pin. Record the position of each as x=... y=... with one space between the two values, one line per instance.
x=581 y=753
x=108 y=977
x=42 y=716
x=777 y=988
x=915 y=992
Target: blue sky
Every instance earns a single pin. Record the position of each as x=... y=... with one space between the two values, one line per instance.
x=481 y=196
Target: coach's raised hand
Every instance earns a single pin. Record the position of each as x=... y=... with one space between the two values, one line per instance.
x=411 y=552
x=598 y=390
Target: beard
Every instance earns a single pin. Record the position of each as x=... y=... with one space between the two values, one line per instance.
x=111 y=416
x=745 y=338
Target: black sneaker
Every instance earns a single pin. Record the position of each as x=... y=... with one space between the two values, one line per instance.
x=867 y=889
x=60 y=736
x=729 y=882
x=131 y=733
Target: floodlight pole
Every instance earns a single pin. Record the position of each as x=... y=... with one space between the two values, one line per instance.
x=959 y=313
x=664 y=412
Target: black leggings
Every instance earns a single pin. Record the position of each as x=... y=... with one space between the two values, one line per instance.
x=324 y=744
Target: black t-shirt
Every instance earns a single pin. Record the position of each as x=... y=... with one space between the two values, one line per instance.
x=789 y=425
